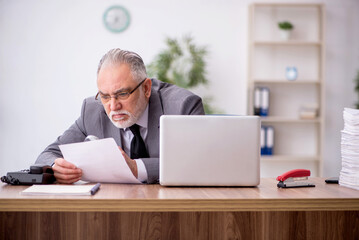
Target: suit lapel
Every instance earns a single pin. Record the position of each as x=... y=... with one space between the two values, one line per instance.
x=154 y=113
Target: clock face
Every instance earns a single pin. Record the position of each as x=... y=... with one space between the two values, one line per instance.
x=116 y=19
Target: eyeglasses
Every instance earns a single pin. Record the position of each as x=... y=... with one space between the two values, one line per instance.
x=123 y=95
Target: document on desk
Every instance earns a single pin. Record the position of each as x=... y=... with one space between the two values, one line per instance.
x=55 y=189
x=100 y=161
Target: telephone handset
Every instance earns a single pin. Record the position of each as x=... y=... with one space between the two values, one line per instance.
x=37 y=174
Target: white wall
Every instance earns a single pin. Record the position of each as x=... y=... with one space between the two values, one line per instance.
x=49 y=51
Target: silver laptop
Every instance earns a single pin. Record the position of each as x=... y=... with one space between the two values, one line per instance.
x=209 y=150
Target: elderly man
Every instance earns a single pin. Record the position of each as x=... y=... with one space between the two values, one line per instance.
x=127 y=107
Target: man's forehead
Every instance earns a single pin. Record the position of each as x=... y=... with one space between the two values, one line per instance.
x=113 y=78
x=114 y=70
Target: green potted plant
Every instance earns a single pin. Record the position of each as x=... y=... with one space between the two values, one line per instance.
x=285 y=28
x=356 y=81
x=182 y=63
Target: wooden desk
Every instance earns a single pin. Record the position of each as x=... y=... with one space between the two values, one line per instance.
x=120 y=211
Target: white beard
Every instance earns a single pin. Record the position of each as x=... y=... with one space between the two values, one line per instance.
x=132 y=117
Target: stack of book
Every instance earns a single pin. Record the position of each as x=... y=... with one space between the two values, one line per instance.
x=349 y=175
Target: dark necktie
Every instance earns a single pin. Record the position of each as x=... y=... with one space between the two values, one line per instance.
x=138 y=148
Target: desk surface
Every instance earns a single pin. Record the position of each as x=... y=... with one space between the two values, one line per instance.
x=155 y=198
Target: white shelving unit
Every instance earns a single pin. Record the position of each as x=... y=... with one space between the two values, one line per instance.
x=297 y=142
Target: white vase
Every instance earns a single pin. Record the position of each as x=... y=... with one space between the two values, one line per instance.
x=285 y=34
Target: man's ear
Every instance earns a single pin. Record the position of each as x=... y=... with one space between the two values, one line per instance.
x=147 y=87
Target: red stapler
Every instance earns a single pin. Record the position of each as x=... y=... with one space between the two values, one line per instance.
x=293 y=178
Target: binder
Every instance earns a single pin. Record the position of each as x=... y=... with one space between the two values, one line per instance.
x=269 y=140
x=261 y=101
x=257 y=101
x=263 y=140
x=264 y=101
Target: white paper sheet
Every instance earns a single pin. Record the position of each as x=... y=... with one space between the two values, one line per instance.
x=349 y=175
x=55 y=189
x=100 y=161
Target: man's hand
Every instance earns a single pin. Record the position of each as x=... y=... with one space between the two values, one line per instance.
x=130 y=162
x=66 y=172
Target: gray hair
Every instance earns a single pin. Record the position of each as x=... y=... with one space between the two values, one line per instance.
x=118 y=56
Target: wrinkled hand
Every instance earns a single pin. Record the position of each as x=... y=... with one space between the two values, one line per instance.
x=130 y=162
x=66 y=172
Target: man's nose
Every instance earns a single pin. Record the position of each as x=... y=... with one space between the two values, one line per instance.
x=115 y=104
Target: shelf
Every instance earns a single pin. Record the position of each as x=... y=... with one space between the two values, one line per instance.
x=289 y=158
x=294 y=5
x=284 y=81
x=287 y=43
x=288 y=120
x=297 y=142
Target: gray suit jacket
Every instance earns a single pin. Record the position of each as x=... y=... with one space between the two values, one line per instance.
x=165 y=99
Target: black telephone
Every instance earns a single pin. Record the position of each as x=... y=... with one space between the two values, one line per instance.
x=37 y=174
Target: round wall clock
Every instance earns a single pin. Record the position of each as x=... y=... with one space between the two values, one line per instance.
x=116 y=19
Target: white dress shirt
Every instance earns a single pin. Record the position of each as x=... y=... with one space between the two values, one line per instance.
x=126 y=137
